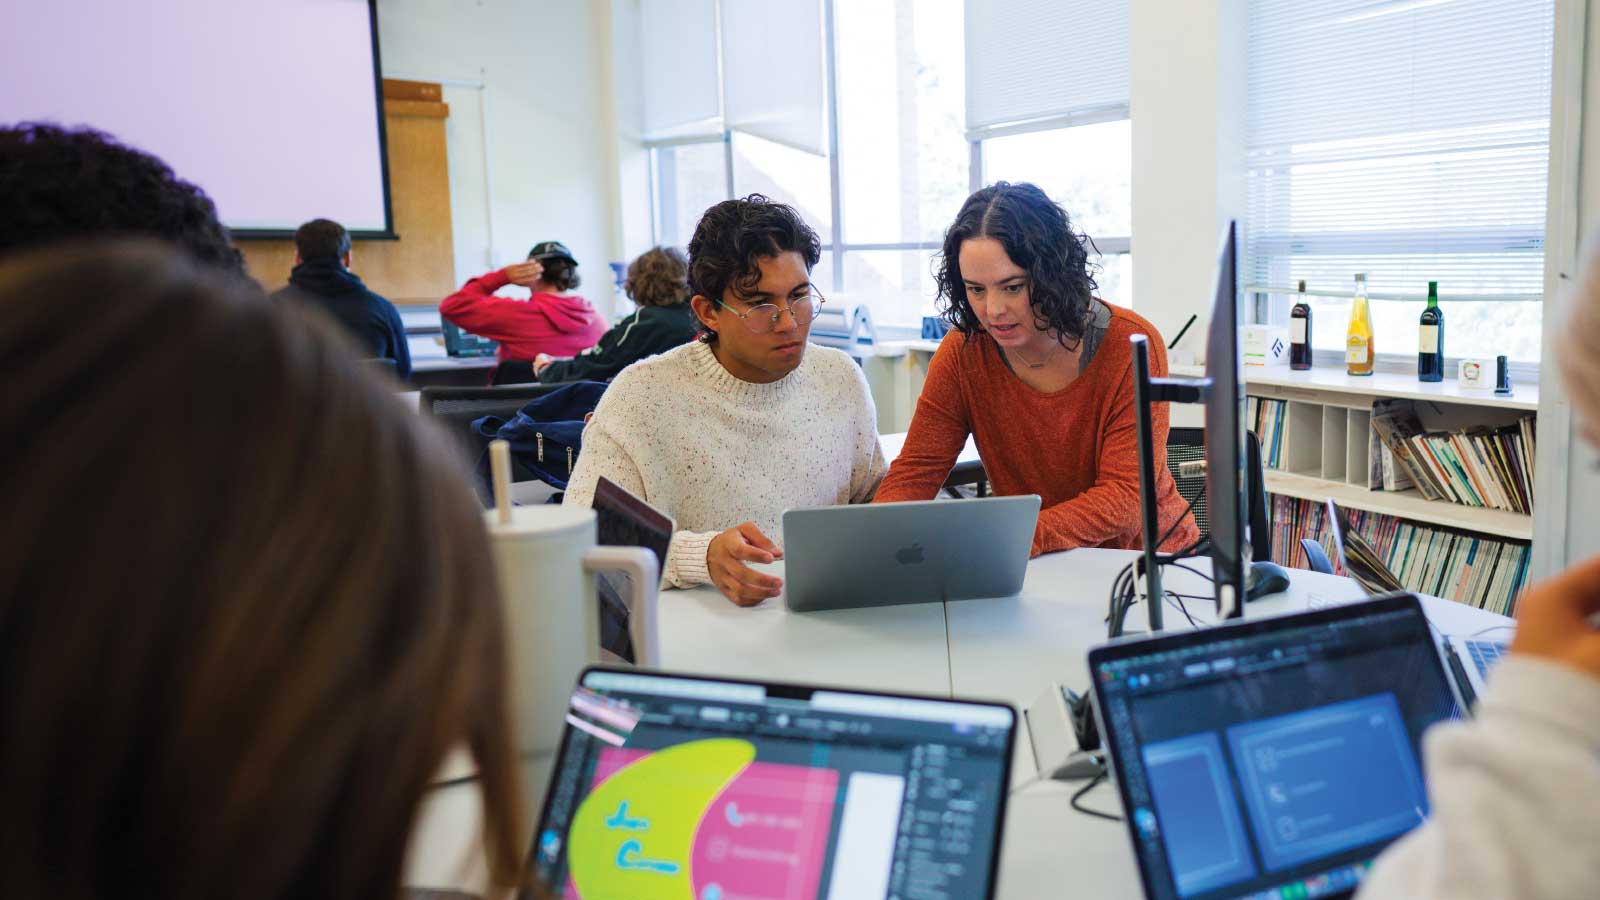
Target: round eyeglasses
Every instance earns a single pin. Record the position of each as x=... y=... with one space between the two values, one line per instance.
x=763 y=319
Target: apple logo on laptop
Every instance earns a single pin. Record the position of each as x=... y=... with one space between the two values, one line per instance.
x=909 y=556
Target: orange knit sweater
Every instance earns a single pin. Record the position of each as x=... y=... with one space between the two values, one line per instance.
x=1076 y=448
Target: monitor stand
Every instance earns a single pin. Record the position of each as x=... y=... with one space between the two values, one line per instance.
x=1147 y=391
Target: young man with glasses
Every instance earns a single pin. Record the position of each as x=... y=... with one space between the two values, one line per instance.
x=726 y=433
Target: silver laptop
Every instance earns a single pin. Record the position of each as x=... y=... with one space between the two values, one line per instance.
x=843 y=557
x=1469 y=661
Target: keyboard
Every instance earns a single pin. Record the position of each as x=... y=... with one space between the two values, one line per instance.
x=1485 y=654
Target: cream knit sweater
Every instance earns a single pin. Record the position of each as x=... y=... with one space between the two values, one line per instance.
x=680 y=432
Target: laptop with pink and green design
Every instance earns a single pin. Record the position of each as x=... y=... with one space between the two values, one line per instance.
x=677 y=786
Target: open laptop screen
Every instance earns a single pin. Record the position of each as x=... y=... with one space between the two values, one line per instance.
x=686 y=787
x=1274 y=758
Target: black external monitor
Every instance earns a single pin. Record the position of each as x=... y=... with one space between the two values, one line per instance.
x=1227 y=504
x=1222 y=391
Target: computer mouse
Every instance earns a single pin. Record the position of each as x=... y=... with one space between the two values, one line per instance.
x=1264 y=579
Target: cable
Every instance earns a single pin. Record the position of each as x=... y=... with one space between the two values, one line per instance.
x=1179 y=521
x=1176 y=600
x=1093 y=782
x=1191 y=571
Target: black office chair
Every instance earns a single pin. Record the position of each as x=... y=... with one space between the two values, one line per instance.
x=967 y=473
x=1316 y=557
x=1186 y=445
x=513 y=371
x=456 y=408
x=1189 y=445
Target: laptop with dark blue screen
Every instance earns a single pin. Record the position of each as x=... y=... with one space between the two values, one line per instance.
x=1275 y=757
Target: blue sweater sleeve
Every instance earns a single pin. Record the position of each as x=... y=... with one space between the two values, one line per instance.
x=402 y=346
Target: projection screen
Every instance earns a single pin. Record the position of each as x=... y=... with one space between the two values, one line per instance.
x=273 y=108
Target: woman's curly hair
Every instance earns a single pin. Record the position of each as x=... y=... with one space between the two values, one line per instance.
x=659 y=277
x=1040 y=239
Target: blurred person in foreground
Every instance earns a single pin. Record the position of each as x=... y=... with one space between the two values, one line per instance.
x=238 y=639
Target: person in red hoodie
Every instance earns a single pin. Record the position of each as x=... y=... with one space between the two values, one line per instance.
x=553 y=321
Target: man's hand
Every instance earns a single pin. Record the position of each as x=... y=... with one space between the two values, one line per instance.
x=523 y=273
x=541 y=362
x=726 y=557
x=1555 y=618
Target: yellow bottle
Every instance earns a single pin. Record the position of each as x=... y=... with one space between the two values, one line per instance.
x=1358 y=350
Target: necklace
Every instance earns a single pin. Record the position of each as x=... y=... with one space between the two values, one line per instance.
x=1030 y=363
x=1040 y=364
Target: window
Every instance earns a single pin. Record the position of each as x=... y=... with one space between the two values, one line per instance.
x=785 y=174
x=1047 y=101
x=899 y=162
x=687 y=178
x=1088 y=170
x=1409 y=141
x=904 y=164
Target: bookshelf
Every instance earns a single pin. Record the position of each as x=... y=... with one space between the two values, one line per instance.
x=1318 y=444
x=1403 y=504
x=1325 y=450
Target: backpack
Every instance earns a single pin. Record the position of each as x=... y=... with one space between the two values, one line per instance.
x=545 y=434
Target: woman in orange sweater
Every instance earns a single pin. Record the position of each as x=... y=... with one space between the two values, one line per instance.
x=1040 y=372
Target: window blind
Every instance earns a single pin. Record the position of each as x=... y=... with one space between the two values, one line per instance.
x=1036 y=61
x=1408 y=139
x=774 y=78
x=678 y=65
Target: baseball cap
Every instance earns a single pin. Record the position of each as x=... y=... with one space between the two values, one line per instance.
x=551 y=250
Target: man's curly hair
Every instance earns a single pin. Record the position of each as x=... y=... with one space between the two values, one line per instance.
x=659 y=277
x=59 y=184
x=734 y=234
x=1040 y=239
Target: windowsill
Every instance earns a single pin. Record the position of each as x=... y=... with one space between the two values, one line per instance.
x=1393 y=384
x=1333 y=380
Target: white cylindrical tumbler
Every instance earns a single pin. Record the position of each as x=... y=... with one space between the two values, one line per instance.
x=546 y=559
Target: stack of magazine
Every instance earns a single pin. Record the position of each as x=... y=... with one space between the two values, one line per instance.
x=1490 y=468
x=1479 y=570
x=1360 y=559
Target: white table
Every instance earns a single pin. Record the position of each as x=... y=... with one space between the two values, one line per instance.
x=894 y=442
x=892 y=648
x=1005 y=649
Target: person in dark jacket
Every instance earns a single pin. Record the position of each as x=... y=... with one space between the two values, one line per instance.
x=322 y=278
x=658 y=281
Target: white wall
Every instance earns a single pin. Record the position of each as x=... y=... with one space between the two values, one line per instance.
x=551 y=124
x=1567 y=493
x=633 y=161
x=1187 y=101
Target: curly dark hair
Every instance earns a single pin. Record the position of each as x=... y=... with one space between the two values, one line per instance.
x=1038 y=236
x=58 y=183
x=659 y=277
x=734 y=234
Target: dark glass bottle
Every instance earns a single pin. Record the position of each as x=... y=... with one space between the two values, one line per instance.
x=1430 y=349
x=1300 y=333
